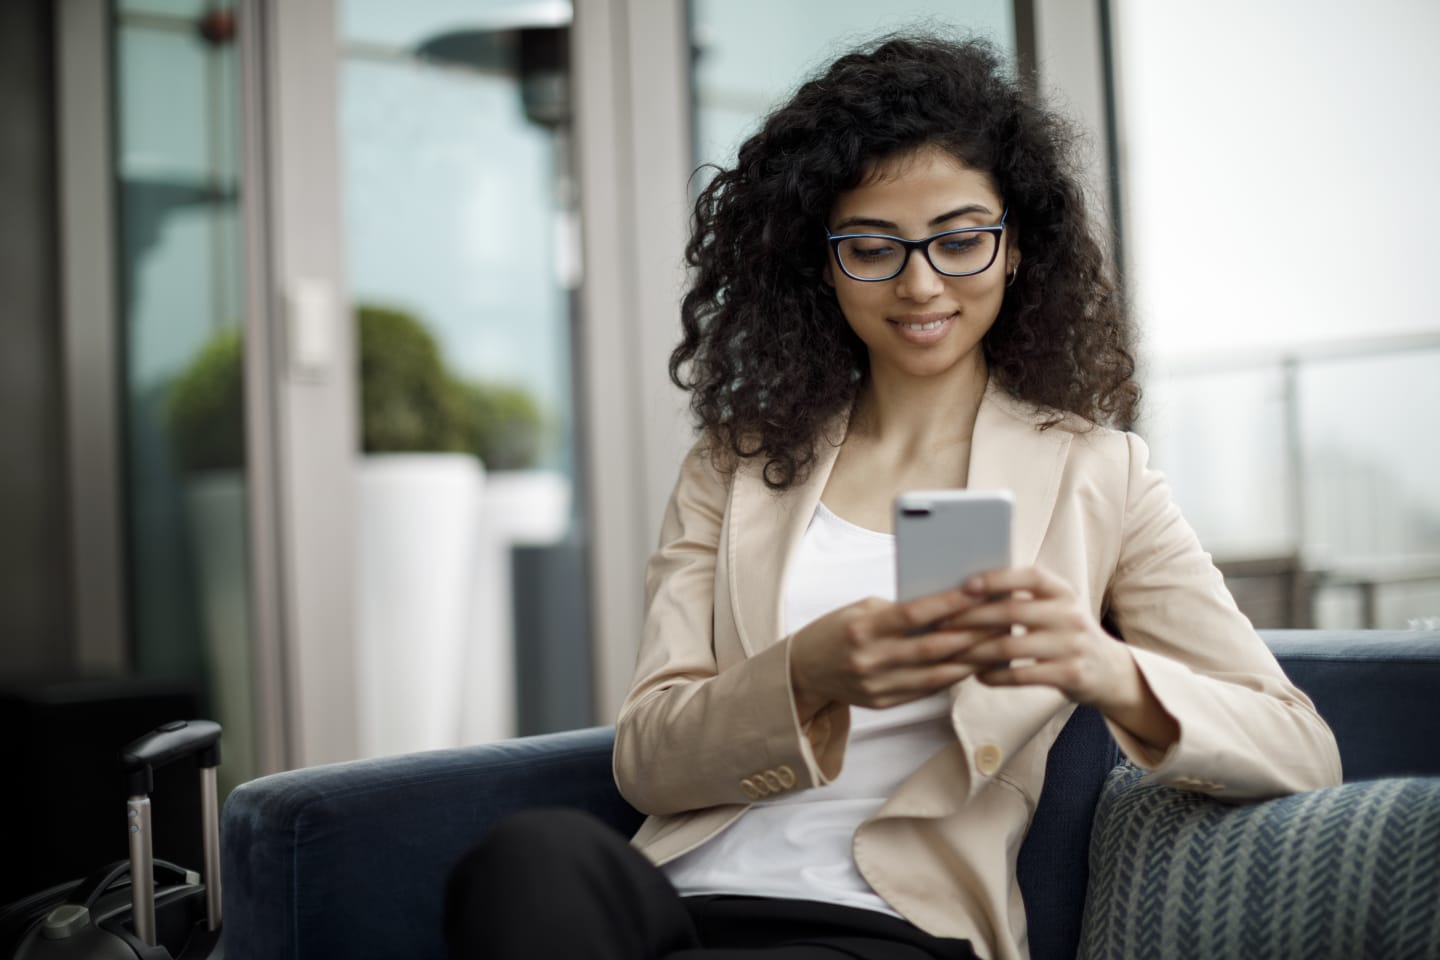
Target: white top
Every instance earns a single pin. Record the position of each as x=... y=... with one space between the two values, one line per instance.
x=797 y=845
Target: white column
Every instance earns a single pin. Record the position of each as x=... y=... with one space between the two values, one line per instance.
x=300 y=384
x=632 y=91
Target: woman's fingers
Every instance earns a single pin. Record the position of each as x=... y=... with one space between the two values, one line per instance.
x=1083 y=679
x=876 y=648
x=944 y=609
x=1034 y=614
x=934 y=647
x=878 y=653
x=901 y=685
x=1030 y=645
x=911 y=616
x=1038 y=582
x=1053 y=673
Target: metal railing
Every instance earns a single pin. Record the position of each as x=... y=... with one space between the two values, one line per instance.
x=1285 y=586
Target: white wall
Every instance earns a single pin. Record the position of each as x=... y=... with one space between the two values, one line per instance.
x=1280 y=167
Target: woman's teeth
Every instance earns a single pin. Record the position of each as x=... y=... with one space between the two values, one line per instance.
x=924 y=326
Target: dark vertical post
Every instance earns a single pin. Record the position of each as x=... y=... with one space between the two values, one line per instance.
x=1112 y=136
x=1026 y=56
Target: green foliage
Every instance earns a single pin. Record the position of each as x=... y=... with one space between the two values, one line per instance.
x=206 y=407
x=502 y=424
x=409 y=402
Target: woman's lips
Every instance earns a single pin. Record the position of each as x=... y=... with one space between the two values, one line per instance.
x=922 y=328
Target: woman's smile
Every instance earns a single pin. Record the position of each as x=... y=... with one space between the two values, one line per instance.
x=924 y=328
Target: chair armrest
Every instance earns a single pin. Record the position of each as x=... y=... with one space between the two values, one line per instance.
x=1347 y=871
x=350 y=859
x=1378 y=691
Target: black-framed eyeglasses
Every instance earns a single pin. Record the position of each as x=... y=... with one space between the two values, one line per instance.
x=872 y=257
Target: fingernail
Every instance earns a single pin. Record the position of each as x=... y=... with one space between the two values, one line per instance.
x=974 y=584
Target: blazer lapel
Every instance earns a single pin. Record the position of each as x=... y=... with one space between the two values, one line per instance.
x=765 y=528
x=1008 y=451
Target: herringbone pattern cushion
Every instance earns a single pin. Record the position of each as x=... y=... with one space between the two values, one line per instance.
x=1346 y=872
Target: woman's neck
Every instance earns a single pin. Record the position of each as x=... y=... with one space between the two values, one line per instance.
x=914 y=418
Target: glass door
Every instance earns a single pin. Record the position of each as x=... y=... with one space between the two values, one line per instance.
x=180 y=303
x=462 y=259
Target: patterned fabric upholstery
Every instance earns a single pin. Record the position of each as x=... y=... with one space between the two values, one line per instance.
x=1349 y=871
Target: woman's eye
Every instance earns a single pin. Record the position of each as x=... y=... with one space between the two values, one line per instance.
x=873 y=251
x=960 y=244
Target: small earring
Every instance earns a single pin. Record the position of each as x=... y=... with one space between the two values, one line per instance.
x=1013 y=274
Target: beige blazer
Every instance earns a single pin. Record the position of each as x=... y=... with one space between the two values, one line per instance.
x=710 y=724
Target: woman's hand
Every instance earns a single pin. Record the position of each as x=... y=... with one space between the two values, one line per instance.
x=1060 y=644
x=871 y=654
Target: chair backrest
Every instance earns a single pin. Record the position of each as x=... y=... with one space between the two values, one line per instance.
x=1376 y=688
x=1054 y=861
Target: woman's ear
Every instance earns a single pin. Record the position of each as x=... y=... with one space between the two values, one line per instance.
x=826 y=276
x=1012 y=248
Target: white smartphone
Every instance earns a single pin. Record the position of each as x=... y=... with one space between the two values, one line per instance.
x=944 y=537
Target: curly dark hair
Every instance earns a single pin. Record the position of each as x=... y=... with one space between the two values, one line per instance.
x=767 y=353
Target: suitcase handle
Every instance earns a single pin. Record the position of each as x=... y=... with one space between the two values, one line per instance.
x=166 y=744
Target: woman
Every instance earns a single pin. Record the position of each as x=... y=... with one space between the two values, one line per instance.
x=895 y=288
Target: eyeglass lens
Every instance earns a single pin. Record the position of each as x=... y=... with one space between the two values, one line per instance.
x=880 y=258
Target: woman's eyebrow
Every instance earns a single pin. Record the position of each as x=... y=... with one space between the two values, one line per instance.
x=934 y=221
x=960 y=212
x=866 y=222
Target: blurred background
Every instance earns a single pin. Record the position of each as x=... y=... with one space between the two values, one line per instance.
x=332 y=361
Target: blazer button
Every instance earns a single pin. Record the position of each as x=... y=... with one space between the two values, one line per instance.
x=772 y=780
x=987 y=758
x=786 y=775
x=751 y=790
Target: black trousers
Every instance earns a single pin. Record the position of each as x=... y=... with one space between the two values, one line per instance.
x=561 y=884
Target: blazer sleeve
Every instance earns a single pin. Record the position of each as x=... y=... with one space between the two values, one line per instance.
x=1245 y=730
x=691 y=735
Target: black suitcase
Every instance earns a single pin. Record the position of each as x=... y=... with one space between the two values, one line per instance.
x=141 y=908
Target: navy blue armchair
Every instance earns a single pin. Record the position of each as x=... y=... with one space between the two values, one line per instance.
x=349 y=860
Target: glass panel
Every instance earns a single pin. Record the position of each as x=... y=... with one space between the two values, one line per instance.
x=407 y=25
x=1220 y=438
x=749 y=54
x=188 y=9
x=460 y=227
x=181 y=276
x=1372 y=507
x=1303 y=469
x=165 y=126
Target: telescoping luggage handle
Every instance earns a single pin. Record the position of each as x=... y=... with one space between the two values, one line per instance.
x=166 y=744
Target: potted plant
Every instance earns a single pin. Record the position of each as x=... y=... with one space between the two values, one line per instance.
x=423 y=554
x=418 y=492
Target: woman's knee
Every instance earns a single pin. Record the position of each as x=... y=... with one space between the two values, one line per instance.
x=532 y=842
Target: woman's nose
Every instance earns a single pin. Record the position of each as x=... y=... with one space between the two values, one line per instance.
x=919 y=281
